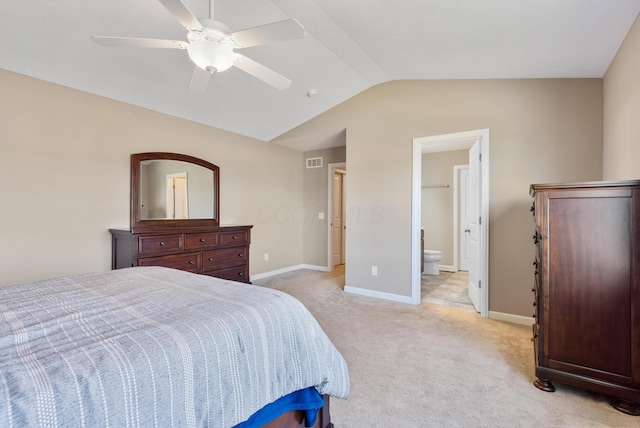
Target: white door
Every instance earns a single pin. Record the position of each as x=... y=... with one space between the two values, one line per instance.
x=463 y=217
x=177 y=206
x=473 y=208
x=337 y=215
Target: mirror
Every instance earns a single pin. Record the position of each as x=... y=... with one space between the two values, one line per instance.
x=171 y=190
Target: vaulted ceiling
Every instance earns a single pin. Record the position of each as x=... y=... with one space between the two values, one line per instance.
x=350 y=45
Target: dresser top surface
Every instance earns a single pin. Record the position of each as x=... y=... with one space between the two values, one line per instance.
x=583 y=185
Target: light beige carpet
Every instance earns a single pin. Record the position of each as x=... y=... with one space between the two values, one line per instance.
x=432 y=366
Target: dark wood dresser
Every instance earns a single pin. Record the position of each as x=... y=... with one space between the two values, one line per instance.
x=175 y=220
x=221 y=252
x=587 y=288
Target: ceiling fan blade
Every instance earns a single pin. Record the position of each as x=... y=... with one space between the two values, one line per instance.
x=289 y=29
x=183 y=14
x=199 y=80
x=139 y=43
x=261 y=72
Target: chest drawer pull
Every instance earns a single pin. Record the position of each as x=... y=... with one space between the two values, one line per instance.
x=202 y=239
x=162 y=244
x=210 y=259
x=191 y=262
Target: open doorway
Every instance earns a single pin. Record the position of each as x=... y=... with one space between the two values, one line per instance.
x=477 y=142
x=177 y=199
x=337 y=230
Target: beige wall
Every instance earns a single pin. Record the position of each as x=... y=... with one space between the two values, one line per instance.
x=65 y=174
x=540 y=131
x=437 y=202
x=622 y=111
x=316 y=194
x=64 y=169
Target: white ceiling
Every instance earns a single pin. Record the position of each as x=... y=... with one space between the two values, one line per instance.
x=350 y=46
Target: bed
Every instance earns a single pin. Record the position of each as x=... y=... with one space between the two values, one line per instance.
x=153 y=346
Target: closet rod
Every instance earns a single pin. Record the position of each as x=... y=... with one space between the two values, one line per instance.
x=444 y=186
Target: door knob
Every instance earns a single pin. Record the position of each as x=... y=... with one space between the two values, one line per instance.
x=467 y=231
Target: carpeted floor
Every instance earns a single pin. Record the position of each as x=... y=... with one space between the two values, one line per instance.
x=435 y=366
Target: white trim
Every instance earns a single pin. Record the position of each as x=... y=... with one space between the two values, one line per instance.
x=287 y=269
x=456 y=214
x=515 y=319
x=468 y=138
x=377 y=294
x=330 y=168
x=456 y=221
x=416 y=200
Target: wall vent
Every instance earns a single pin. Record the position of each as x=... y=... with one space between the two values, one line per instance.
x=314 y=162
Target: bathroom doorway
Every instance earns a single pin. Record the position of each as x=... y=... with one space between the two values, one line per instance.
x=177 y=204
x=336 y=208
x=479 y=270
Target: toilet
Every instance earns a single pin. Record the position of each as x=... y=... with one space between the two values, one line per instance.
x=431 y=259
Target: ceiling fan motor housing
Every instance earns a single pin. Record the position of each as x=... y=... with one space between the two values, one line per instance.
x=211 y=52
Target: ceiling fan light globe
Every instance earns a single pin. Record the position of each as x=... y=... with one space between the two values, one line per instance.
x=210 y=55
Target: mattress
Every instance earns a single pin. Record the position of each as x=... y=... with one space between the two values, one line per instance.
x=152 y=346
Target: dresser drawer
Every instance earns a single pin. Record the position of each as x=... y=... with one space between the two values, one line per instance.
x=190 y=261
x=158 y=244
x=201 y=240
x=238 y=273
x=223 y=258
x=230 y=238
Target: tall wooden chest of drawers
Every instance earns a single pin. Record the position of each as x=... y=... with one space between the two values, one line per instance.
x=222 y=252
x=587 y=288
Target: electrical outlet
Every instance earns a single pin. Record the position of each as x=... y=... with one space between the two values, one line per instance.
x=266 y=257
x=320 y=216
x=374 y=270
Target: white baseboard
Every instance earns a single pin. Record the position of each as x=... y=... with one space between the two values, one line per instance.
x=377 y=294
x=514 y=319
x=287 y=269
x=447 y=268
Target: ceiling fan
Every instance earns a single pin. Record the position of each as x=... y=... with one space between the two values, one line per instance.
x=211 y=45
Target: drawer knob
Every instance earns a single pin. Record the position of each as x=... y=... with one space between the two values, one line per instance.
x=240 y=255
x=162 y=244
x=240 y=273
x=202 y=239
x=210 y=259
x=191 y=262
x=235 y=237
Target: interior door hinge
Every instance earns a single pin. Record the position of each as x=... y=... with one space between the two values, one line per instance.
x=480 y=220
x=480 y=157
x=479 y=284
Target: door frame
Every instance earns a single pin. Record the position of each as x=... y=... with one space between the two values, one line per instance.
x=446 y=142
x=170 y=179
x=330 y=171
x=457 y=230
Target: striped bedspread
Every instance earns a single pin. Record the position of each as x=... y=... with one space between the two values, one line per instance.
x=155 y=347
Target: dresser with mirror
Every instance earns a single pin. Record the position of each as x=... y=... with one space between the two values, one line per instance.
x=175 y=220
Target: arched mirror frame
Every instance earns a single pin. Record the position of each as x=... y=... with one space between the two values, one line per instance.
x=139 y=225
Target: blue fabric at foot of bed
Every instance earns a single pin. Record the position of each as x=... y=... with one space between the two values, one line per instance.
x=307 y=399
